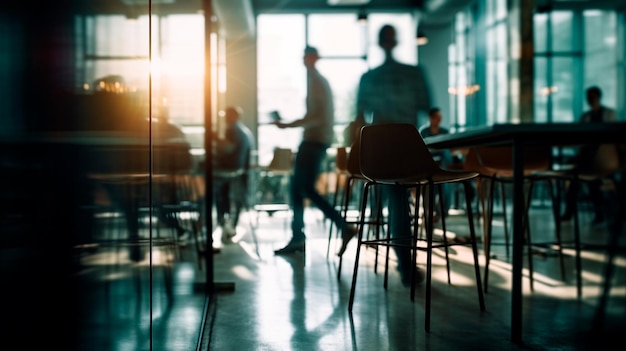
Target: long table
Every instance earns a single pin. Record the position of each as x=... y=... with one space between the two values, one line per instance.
x=519 y=136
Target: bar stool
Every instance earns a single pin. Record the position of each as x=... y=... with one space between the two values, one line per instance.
x=396 y=155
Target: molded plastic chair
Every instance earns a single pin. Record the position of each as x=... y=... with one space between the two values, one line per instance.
x=272 y=187
x=341 y=182
x=395 y=154
x=352 y=171
x=606 y=165
x=495 y=165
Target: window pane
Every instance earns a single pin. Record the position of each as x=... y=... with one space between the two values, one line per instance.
x=601 y=55
x=562 y=31
x=540 y=32
x=135 y=33
x=182 y=68
x=343 y=76
x=334 y=35
x=460 y=97
x=281 y=80
x=127 y=58
x=497 y=78
x=496 y=10
x=542 y=91
x=501 y=87
x=563 y=89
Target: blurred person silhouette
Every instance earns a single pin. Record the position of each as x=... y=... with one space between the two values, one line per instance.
x=393 y=92
x=586 y=154
x=170 y=156
x=174 y=154
x=171 y=152
x=443 y=157
x=317 y=136
x=232 y=153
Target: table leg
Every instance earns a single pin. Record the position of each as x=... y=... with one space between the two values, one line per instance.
x=518 y=241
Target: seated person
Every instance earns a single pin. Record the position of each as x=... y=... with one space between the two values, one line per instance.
x=171 y=153
x=586 y=155
x=232 y=152
x=443 y=157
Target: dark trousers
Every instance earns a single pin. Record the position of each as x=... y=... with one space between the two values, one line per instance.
x=399 y=211
x=229 y=194
x=585 y=157
x=307 y=168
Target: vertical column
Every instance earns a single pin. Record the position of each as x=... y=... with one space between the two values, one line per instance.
x=521 y=74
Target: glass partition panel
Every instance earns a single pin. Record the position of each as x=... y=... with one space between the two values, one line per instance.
x=93 y=174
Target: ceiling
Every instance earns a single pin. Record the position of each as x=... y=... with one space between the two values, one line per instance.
x=434 y=11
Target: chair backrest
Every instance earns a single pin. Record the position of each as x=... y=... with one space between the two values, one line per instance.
x=341 y=160
x=282 y=160
x=500 y=159
x=606 y=160
x=354 y=157
x=394 y=152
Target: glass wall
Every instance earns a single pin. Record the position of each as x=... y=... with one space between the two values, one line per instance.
x=95 y=176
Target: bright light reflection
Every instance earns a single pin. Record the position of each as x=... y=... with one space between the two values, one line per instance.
x=243 y=272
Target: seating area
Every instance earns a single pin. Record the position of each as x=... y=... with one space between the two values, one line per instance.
x=299 y=304
x=164 y=166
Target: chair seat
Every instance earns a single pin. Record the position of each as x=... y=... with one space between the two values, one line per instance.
x=440 y=177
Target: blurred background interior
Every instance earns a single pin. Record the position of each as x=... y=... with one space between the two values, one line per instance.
x=104 y=106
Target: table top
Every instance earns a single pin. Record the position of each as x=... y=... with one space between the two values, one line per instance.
x=530 y=133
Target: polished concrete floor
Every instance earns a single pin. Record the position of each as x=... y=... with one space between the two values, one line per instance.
x=297 y=302
x=153 y=296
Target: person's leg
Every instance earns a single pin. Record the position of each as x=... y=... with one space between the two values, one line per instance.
x=571 y=196
x=597 y=198
x=222 y=200
x=316 y=155
x=241 y=199
x=400 y=227
x=296 y=198
x=446 y=190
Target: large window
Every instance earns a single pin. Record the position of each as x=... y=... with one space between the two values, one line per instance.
x=175 y=65
x=573 y=51
x=497 y=78
x=461 y=86
x=557 y=58
x=347 y=49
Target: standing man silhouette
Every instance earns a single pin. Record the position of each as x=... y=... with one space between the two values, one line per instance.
x=393 y=92
x=317 y=136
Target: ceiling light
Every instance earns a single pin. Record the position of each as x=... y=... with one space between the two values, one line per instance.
x=347 y=2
